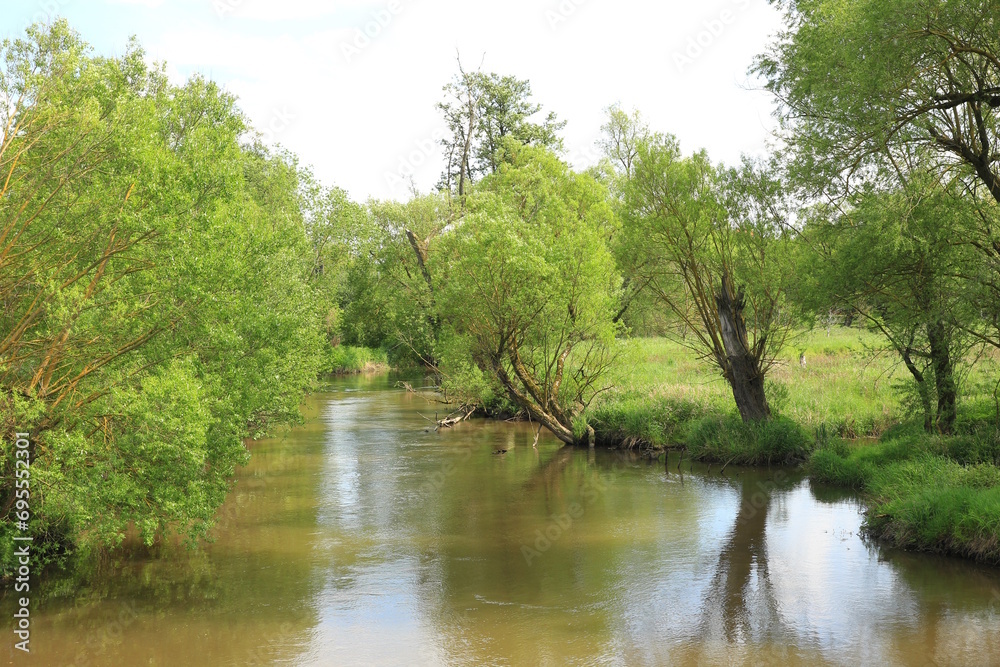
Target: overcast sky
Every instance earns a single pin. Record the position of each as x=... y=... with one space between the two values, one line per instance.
x=350 y=86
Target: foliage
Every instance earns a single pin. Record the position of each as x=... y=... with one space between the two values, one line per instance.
x=643 y=420
x=158 y=307
x=861 y=82
x=710 y=244
x=891 y=257
x=350 y=359
x=526 y=283
x=483 y=112
x=389 y=297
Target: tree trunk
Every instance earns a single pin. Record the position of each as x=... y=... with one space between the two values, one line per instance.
x=922 y=389
x=744 y=374
x=944 y=377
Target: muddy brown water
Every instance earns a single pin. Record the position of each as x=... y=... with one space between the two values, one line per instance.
x=364 y=538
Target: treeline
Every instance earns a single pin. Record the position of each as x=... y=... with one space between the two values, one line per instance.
x=519 y=277
x=162 y=291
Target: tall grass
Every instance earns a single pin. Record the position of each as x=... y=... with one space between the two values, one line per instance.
x=727 y=439
x=840 y=388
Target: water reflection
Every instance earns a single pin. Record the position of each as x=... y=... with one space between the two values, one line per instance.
x=367 y=538
x=740 y=604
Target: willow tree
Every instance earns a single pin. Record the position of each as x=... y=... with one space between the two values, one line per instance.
x=861 y=80
x=710 y=245
x=154 y=280
x=527 y=289
x=890 y=257
x=863 y=83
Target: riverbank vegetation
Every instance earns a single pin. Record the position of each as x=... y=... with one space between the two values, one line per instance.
x=172 y=286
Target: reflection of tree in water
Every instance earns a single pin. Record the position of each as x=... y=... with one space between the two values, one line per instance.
x=740 y=605
x=739 y=608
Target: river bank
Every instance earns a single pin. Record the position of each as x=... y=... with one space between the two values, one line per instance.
x=840 y=414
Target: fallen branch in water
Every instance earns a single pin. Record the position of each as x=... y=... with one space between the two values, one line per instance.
x=453 y=418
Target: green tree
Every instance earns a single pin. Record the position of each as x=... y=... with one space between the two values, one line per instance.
x=860 y=81
x=335 y=227
x=891 y=257
x=155 y=279
x=483 y=110
x=711 y=245
x=864 y=85
x=527 y=289
x=390 y=299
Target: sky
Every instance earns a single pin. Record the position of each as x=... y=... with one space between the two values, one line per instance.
x=351 y=86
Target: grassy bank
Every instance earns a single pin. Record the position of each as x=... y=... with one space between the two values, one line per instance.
x=347 y=359
x=923 y=492
x=847 y=414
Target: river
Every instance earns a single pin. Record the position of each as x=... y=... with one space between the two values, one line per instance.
x=364 y=537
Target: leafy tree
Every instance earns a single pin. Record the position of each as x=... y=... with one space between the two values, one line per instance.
x=620 y=137
x=390 y=299
x=157 y=303
x=891 y=258
x=711 y=245
x=866 y=85
x=861 y=80
x=527 y=289
x=482 y=111
x=335 y=227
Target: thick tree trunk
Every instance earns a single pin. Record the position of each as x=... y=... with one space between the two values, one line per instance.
x=744 y=373
x=944 y=377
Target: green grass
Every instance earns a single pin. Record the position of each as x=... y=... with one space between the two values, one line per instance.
x=779 y=441
x=644 y=420
x=347 y=359
x=840 y=389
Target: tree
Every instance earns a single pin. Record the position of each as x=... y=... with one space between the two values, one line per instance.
x=482 y=111
x=711 y=246
x=141 y=239
x=335 y=226
x=621 y=134
x=390 y=298
x=864 y=85
x=527 y=289
x=891 y=258
x=860 y=80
